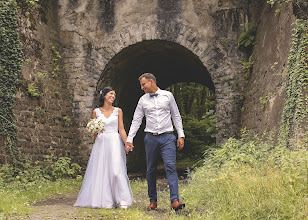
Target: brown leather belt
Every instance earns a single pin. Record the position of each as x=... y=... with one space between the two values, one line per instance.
x=156 y=134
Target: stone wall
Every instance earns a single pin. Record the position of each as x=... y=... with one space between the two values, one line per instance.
x=264 y=93
x=209 y=30
x=96 y=36
x=113 y=42
x=46 y=123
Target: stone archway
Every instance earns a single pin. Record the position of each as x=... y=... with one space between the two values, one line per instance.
x=90 y=51
x=169 y=61
x=84 y=78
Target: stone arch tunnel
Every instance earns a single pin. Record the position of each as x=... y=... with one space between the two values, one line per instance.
x=169 y=61
x=113 y=42
x=177 y=44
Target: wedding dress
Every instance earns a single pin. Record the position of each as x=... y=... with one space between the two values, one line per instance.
x=106 y=184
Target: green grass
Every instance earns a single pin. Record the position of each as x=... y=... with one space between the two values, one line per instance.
x=16 y=199
x=244 y=179
x=251 y=180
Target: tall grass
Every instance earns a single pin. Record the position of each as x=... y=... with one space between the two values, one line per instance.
x=251 y=179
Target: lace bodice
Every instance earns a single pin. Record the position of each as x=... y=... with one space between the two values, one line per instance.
x=111 y=123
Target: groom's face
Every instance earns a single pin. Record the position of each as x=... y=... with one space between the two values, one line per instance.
x=146 y=85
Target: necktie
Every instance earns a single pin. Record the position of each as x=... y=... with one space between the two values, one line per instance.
x=153 y=94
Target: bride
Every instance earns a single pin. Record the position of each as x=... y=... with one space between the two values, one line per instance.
x=106 y=184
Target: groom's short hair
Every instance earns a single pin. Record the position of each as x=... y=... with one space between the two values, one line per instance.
x=148 y=76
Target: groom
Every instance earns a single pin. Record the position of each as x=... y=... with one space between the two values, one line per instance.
x=159 y=107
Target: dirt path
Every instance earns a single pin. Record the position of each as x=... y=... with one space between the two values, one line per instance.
x=60 y=206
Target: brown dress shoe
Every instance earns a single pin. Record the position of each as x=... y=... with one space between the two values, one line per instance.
x=176 y=205
x=152 y=206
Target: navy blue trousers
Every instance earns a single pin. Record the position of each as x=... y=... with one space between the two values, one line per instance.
x=165 y=145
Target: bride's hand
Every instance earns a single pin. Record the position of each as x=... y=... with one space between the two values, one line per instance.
x=93 y=135
x=128 y=147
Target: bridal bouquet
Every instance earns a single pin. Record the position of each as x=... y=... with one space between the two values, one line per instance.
x=95 y=126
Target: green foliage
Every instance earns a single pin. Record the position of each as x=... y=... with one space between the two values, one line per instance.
x=36 y=88
x=193 y=99
x=67 y=120
x=247 y=38
x=57 y=93
x=29 y=3
x=299 y=7
x=247 y=65
x=251 y=178
x=56 y=62
x=196 y=103
x=295 y=106
x=10 y=68
x=26 y=182
x=199 y=135
x=33 y=91
x=272 y=2
x=263 y=101
x=57 y=168
x=50 y=169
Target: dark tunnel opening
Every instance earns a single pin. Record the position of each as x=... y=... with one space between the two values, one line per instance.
x=168 y=61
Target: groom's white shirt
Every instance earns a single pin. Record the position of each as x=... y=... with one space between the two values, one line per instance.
x=158 y=111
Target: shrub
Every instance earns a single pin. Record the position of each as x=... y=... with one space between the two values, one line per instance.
x=247 y=38
x=199 y=135
x=50 y=169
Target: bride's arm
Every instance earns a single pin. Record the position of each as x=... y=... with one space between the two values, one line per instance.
x=122 y=131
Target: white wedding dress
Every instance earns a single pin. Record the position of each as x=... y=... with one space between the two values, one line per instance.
x=106 y=184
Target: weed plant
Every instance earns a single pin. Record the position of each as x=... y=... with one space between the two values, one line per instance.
x=251 y=178
x=27 y=183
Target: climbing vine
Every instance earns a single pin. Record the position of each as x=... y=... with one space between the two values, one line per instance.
x=10 y=68
x=272 y=2
x=295 y=110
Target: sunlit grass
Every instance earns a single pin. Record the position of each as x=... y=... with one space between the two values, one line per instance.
x=16 y=199
x=242 y=180
x=273 y=188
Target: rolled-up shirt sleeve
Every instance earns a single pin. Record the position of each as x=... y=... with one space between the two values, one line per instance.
x=176 y=117
x=137 y=120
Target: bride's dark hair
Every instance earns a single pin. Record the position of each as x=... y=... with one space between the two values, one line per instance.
x=103 y=92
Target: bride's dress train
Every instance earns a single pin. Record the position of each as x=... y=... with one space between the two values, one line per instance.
x=106 y=184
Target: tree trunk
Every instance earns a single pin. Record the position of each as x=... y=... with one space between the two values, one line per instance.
x=176 y=89
x=203 y=100
x=191 y=99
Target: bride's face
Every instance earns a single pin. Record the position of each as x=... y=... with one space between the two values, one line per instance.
x=110 y=97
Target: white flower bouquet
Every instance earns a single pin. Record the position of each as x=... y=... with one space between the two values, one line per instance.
x=95 y=126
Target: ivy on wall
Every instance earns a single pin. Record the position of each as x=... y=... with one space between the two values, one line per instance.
x=10 y=69
x=272 y=2
x=295 y=110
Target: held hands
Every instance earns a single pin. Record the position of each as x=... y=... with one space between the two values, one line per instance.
x=180 y=143
x=128 y=147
